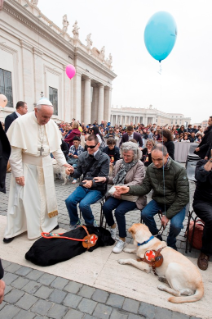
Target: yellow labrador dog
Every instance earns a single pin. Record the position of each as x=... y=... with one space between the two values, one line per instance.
x=183 y=277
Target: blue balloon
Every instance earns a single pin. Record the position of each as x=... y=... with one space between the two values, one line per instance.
x=160 y=35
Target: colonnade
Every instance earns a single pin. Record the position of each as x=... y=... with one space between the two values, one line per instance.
x=92 y=100
x=127 y=119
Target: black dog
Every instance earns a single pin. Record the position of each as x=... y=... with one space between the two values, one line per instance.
x=47 y=252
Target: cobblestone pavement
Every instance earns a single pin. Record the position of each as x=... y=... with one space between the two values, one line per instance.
x=34 y=294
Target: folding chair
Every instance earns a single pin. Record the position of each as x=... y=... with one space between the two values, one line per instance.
x=101 y=201
x=191 y=162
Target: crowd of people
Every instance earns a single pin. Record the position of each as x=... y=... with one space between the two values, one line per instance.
x=98 y=155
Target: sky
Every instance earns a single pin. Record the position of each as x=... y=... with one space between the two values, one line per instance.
x=185 y=84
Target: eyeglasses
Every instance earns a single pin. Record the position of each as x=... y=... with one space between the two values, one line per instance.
x=92 y=146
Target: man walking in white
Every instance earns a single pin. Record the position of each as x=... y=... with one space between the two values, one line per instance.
x=32 y=203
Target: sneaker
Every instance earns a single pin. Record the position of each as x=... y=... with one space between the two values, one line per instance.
x=95 y=223
x=113 y=232
x=72 y=227
x=74 y=181
x=119 y=246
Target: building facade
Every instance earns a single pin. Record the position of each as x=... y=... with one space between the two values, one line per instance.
x=126 y=116
x=34 y=53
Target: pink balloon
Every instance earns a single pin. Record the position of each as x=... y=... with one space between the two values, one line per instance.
x=70 y=71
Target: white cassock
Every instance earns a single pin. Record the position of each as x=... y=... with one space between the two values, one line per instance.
x=31 y=206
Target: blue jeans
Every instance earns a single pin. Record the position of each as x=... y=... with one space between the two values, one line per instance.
x=85 y=197
x=151 y=210
x=122 y=207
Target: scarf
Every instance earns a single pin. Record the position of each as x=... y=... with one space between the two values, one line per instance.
x=124 y=168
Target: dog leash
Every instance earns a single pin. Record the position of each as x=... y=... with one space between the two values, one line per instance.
x=87 y=242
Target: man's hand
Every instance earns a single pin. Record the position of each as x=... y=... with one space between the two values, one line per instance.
x=67 y=165
x=75 y=156
x=69 y=170
x=197 y=149
x=87 y=184
x=100 y=179
x=122 y=189
x=164 y=221
x=20 y=180
x=116 y=195
x=2 y=287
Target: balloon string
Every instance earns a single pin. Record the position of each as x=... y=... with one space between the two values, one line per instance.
x=160 y=69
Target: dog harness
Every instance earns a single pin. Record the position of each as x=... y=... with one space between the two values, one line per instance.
x=87 y=242
x=153 y=258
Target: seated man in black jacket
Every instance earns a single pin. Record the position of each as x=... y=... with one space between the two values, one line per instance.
x=203 y=207
x=92 y=163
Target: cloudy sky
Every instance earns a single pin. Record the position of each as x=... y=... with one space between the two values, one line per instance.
x=185 y=84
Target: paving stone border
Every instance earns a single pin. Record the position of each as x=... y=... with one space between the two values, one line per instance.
x=29 y=297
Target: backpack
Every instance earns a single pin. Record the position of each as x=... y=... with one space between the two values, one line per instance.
x=198 y=232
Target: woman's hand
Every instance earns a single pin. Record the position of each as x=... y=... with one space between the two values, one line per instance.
x=122 y=190
x=100 y=179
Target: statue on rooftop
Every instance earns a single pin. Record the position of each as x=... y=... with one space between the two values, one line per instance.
x=75 y=30
x=109 y=61
x=65 y=23
x=89 y=41
x=102 y=54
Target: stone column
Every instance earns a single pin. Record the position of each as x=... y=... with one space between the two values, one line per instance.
x=107 y=103
x=87 y=102
x=94 y=107
x=101 y=104
x=77 y=97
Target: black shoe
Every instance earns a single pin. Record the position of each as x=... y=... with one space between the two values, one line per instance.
x=57 y=227
x=8 y=240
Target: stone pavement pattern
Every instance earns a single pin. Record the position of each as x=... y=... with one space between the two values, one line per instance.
x=34 y=294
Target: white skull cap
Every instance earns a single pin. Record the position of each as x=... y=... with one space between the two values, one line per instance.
x=44 y=101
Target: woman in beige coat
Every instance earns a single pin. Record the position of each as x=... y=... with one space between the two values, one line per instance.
x=128 y=171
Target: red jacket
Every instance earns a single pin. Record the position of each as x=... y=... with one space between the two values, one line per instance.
x=69 y=138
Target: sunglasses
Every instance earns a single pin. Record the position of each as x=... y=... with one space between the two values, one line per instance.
x=93 y=146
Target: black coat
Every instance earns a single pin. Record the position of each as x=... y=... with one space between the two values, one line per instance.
x=9 y=119
x=4 y=156
x=204 y=183
x=65 y=148
x=170 y=148
x=205 y=144
x=46 y=252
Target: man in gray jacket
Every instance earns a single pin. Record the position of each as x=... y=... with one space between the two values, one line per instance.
x=92 y=163
x=170 y=186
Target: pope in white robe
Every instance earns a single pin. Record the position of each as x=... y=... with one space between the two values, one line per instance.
x=32 y=203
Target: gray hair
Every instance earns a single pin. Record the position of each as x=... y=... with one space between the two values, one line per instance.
x=130 y=146
x=161 y=148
